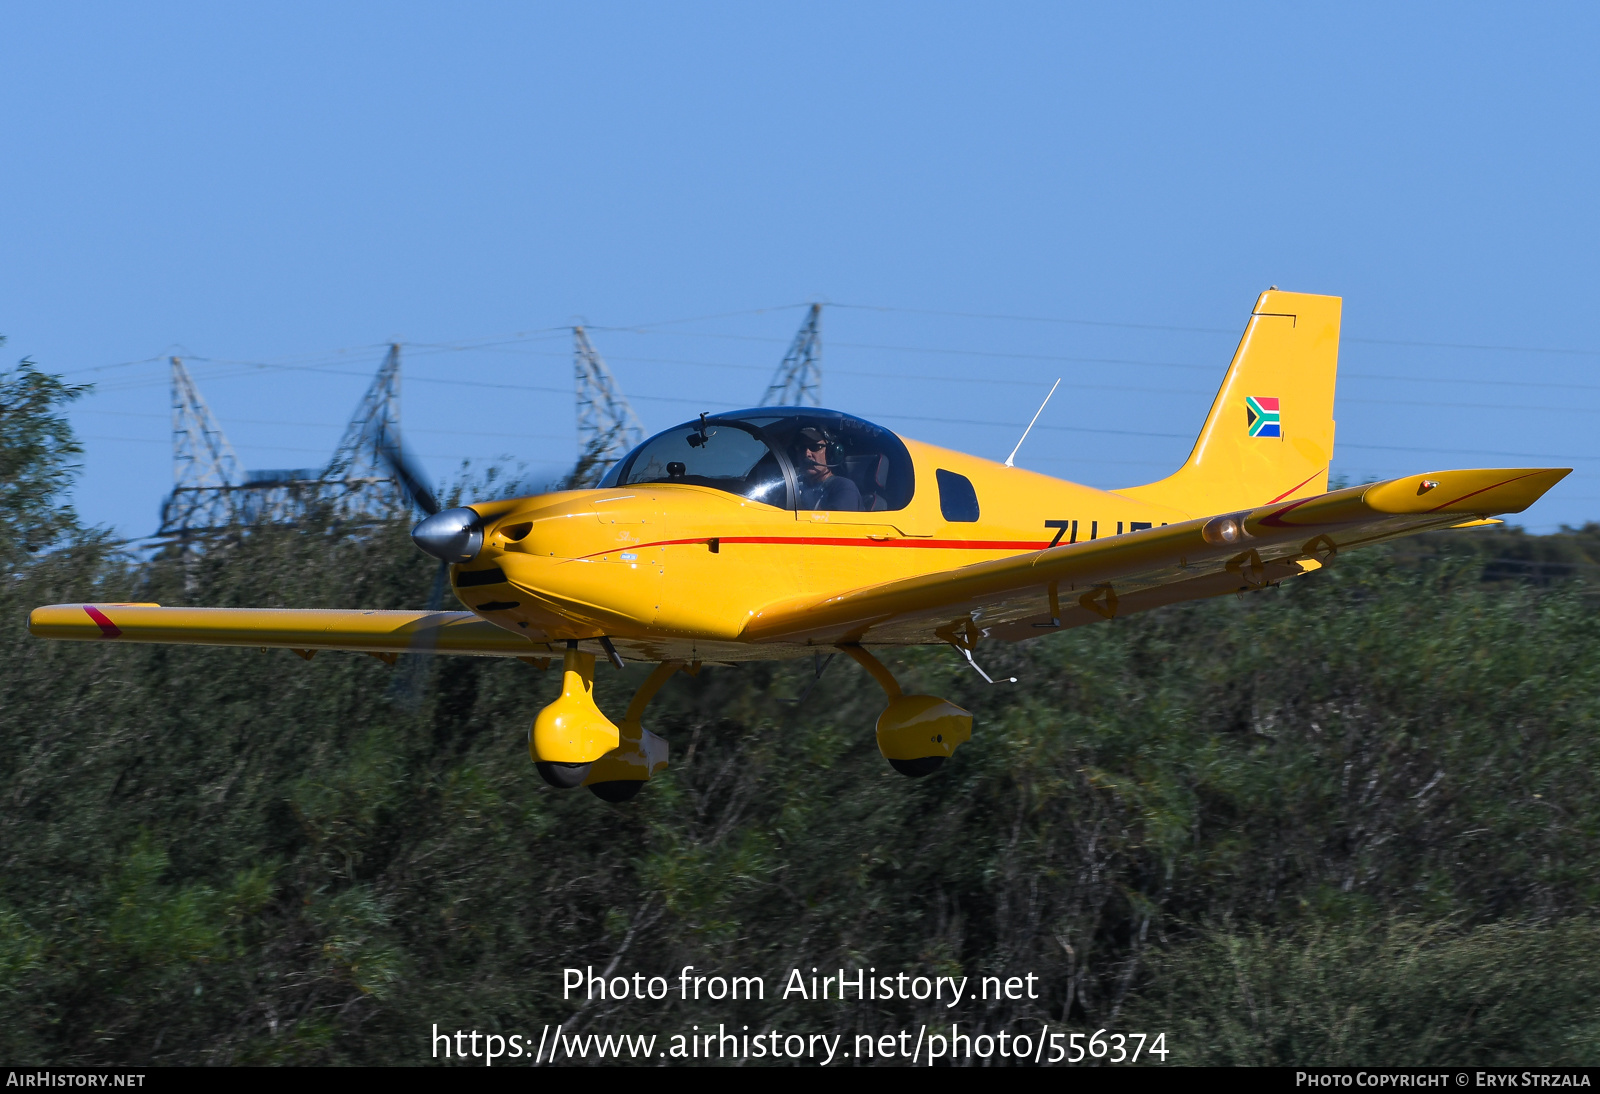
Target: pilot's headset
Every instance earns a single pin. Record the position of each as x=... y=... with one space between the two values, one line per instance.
x=808 y=438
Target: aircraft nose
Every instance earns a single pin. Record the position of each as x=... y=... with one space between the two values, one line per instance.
x=454 y=535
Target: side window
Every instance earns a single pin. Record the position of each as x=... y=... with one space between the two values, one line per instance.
x=958 y=501
x=843 y=464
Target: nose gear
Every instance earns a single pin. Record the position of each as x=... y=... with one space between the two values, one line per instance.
x=571 y=734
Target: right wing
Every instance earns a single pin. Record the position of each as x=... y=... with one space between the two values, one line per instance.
x=1028 y=595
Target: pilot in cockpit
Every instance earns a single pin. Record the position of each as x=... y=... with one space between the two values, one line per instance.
x=815 y=456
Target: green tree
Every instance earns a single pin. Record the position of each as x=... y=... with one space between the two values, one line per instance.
x=1353 y=820
x=36 y=445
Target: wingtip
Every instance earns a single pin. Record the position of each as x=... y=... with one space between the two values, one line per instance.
x=1479 y=491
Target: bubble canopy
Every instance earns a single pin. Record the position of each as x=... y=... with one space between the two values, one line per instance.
x=787 y=457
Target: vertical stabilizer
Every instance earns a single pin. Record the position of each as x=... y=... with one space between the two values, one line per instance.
x=1269 y=436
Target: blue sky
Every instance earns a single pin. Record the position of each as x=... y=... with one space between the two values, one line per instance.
x=275 y=191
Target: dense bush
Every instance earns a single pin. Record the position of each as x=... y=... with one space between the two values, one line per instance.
x=1351 y=820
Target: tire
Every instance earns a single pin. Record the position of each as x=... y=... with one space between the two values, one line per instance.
x=916 y=769
x=562 y=776
x=618 y=791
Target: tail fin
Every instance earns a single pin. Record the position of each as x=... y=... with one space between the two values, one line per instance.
x=1269 y=436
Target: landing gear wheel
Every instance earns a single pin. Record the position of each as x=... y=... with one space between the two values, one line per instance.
x=915 y=769
x=562 y=776
x=616 y=791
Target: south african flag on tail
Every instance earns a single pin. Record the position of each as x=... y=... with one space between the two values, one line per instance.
x=1261 y=412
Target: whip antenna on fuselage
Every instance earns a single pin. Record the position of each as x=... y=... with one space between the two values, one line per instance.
x=1036 y=414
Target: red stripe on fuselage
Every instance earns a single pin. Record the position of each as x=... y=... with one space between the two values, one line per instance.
x=107 y=628
x=818 y=541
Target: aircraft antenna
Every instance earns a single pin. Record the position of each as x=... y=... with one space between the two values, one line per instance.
x=204 y=467
x=798 y=381
x=608 y=429
x=1036 y=414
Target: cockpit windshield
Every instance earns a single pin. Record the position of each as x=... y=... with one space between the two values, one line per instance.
x=788 y=458
x=717 y=452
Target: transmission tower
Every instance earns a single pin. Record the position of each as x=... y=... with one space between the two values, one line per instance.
x=357 y=481
x=204 y=467
x=214 y=495
x=607 y=427
x=798 y=381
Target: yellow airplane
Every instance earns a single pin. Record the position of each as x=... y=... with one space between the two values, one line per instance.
x=783 y=532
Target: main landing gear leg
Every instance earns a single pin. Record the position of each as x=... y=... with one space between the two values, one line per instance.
x=571 y=734
x=916 y=733
x=621 y=773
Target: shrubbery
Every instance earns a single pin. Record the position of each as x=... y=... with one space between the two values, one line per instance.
x=1353 y=820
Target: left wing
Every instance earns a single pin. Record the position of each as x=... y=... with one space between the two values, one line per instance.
x=384 y=633
x=1030 y=594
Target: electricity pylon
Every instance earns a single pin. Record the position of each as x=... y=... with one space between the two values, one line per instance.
x=608 y=429
x=357 y=481
x=204 y=466
x=213 y=494
x=798 y=381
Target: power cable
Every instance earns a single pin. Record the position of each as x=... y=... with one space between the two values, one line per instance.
x=1219 y=330
x=341 y=425
x=1035 y=319
x=723 y=405
x=288 y=448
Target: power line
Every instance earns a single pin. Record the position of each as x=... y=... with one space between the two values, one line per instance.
x=534 y=334
x=1215 y=369
x=1465 y=380
x=725 y=405
x=646 y=328
x=334 y=355
x=1470 y=452
x=319 y=362
x=1013 y=425
x=330 y=425
x=1037 y=319
x=314 y=451
x=1417 y=344
x=1470 y=345
x=986 y=380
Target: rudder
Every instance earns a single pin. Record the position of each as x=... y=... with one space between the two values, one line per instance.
x=1269 y=435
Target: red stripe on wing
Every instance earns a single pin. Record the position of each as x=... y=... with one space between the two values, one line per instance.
x=107 y=628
